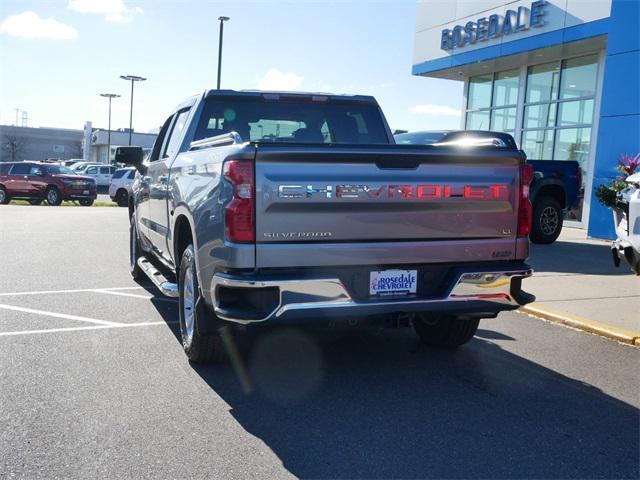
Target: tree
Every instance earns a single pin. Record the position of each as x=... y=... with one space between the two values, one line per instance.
x=12 y=148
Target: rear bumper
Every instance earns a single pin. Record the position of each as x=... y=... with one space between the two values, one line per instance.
x=248 y=300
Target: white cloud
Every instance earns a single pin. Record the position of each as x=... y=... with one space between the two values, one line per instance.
x=274 y=79
x=113 y=10
x=29 y=25
x=432 y=109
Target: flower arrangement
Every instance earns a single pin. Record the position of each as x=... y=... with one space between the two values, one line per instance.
x=627 y=165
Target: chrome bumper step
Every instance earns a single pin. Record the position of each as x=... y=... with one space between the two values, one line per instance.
x=167 y=288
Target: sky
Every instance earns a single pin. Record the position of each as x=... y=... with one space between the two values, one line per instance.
x=57 y=56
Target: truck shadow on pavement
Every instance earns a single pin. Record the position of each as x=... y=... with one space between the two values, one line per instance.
x=574 y=257
x=374 y=403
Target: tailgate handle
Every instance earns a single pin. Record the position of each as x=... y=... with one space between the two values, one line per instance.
x=388 y=163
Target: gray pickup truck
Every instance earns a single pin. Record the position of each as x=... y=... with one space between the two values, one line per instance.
x=280 y=207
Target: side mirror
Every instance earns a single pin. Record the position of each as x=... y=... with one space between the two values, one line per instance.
x=131 y=156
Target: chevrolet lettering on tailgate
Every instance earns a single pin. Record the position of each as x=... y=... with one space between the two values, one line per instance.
x=426 y=192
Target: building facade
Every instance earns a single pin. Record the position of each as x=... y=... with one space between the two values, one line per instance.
x=26 y=143
x=562 y=76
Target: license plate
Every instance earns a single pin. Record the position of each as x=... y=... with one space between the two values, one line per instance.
x=85 y=192
x=393 y=282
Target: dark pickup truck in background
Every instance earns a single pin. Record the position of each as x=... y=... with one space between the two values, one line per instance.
x=556 y=189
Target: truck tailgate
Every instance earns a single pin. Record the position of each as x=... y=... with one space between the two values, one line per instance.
x=395 y=196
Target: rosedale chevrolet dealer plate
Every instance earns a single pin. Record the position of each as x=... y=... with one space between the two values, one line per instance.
x=393 y=282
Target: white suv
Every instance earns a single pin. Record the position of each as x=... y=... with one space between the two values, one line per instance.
x=120 y=186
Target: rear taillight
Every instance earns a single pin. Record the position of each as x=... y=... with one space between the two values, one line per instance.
x=240 y=212
x=525 y=210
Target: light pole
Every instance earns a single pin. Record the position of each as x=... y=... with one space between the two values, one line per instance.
x=133 y=79
x=222 y=20
x=109 y=96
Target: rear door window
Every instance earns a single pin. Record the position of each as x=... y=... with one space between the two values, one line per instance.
x=173 y=145
x=91 y=170
x=5 y=167
x=105 y=170
x=119 y=174
x=21 y=169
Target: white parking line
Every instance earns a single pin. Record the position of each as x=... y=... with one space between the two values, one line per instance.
x=43 y=292
x=60 y=315
x=75 y=329
x=134 y=295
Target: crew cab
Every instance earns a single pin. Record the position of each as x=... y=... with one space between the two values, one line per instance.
x=38 y=181
x=275 y=207
x=556 y=190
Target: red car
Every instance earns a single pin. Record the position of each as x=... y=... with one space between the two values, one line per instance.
x=37 y=181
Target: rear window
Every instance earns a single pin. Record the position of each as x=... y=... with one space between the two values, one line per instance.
x=4 y=168
x=261 y=120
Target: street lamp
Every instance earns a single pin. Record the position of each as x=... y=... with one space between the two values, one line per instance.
x=222 y=20
x=133 y=79
x=109 y=96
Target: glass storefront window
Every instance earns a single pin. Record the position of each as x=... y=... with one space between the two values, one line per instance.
x=478 y=120
x=579 y=77
x=579 y=112
x=480 y=91
x=503 y=119
x=505 y=88
x=573 y=144
x=538 y=144
x=542 y=82
x=540 y=116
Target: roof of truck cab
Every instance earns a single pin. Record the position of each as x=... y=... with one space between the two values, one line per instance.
x=260 y=93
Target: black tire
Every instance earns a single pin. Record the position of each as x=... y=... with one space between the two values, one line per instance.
x=86 y=202
x=53 y=196
x=444 y=330
x=547 y=220
x=135 y=252
x=4 y=196
x=199 y=348
x=122 y=198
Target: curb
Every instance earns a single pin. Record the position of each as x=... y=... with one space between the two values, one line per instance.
x=581 y=323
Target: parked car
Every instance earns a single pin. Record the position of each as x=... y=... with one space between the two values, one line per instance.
x=266 y=207
x=555 y=190
x=80 y=167
x=101 y=173
x=120 y=186
x=38 y=181
x=627 y=223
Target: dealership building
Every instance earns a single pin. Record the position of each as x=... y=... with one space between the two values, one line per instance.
x=562 y=76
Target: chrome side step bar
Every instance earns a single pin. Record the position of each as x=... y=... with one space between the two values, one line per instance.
x=165 y=286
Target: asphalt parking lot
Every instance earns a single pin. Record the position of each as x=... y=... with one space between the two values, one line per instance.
x=94 y=383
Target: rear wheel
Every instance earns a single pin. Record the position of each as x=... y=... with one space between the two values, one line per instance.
x=444 y=330
x=199 y=348
x=4 y=196
x=53 y=196
x=122 y=198
x=36 y=201
x=547 y=220
x=135 y=251
x=86 y=202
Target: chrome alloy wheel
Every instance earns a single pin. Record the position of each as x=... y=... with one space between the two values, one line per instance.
x=52 y=196
x=188 y=307
x=549 y=220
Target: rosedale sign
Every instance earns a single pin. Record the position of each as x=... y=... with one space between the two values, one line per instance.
x=494 y=26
